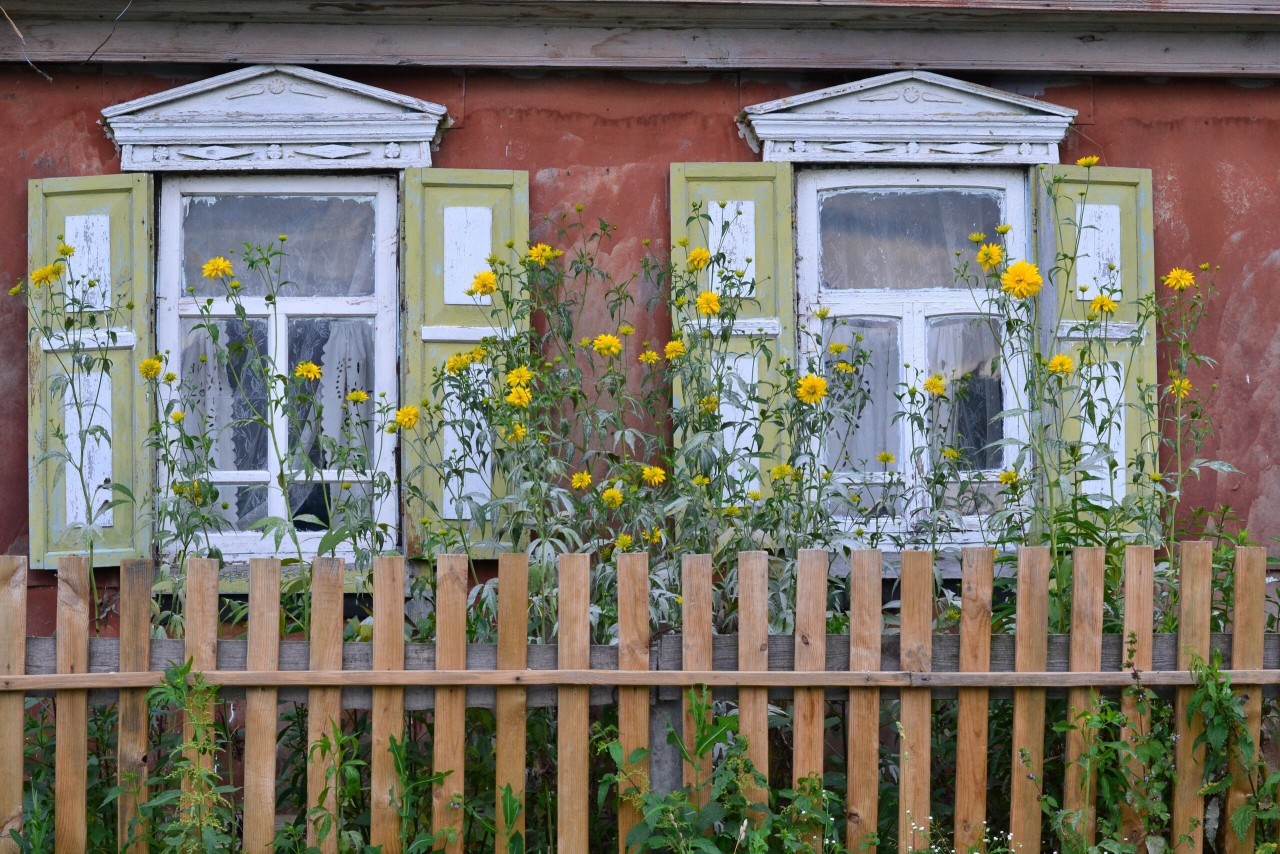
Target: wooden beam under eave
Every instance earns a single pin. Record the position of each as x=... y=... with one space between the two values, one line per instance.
x=1006 y=48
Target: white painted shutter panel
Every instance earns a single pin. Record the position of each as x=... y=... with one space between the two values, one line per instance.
x=454 y=219
x=108 y=220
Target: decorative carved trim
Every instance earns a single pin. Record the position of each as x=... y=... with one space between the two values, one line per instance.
x=274 y=117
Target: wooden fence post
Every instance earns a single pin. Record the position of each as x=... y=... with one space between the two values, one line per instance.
x=388 y=703
x=201 y=628
x=1032 y=655
x=72 y=712
x=513 y=654
x=1139 y=625
x=451 y=703
x=916 y=703
x=753 y=654
x=972 y=713
x=134 y=716
x=1088 y=579
x=866 y=606
x=573 y=718
x=1195 y=610
x=633 y=654
x=261 y=707
x=695 y=591
x=324 y=705
x=13 y=661
x=1247 y=637
x=811 y=656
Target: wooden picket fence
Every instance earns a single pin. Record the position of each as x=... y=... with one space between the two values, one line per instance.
x=851 y=670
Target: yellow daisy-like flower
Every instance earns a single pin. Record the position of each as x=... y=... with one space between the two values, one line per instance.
x=732 y=510
x=607 y=345
x=709 y=404
x=46 y=274
x=1008 y=477
x=950 y=453
x=654 y=536
x=1003 y=228
x=484 y=284
x=457 y=363
x=357 y=395
x=15 y=290
x=780 y=471
x=977 y=236
x=517 y=432
x=64 y=250
x=1102 y=304
x=1088 y=161
x=150 y=368
x=519 y=396
x=755 y=495
x=1155 y=476
x=519 y=376
x=811 y=389
x=822 y=313
x=406 y=417
x=1022 y=280
x=624 y=542
x=698 y=259
x=177 y=415
x=307 y=371
x=886 y=458
x=626 y=329
x=215 y=267
x=169 y=376
x=1177 y=279
x=844 y=367
x=653 y=475
x=674 y=350
x=612 y=498
x=837 y=348
x=542 y=253
x=701 y=480
x=684 y=241
x=580 y=480
x=708 y=302
x=936 y=385
x=1061 y=364
x=990 y=255
x=649 y=357
x=1180 y=387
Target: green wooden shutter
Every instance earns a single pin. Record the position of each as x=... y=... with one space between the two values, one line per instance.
x=1103 y=216
x=758 y=200
x=108 y=220
x=454 y=219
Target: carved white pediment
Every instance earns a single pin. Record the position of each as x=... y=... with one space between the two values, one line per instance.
x=907 y=117
x=276 y=117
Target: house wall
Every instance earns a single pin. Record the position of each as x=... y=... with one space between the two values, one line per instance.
x=607 y=140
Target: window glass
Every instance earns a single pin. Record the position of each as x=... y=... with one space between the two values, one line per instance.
x=854 y=447
x=964 y=351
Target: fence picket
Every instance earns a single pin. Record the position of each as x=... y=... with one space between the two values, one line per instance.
x=1139 y=625
x=134 y=718
x=695 y=590
x=574 y=702
x=1194 y=612
x=633 y=654
x=977 y=574
x=324 y=713
x=811 y=655
x=513 y=654
x=1247 y=637
x=863 y=750
x=387 y=717
x=71 y=708
x=13 y=660
x=451 y=703
x=753 y=654
x=261 y=709
x=916 y=703
x=1028 y=703
x=201 y=629
x=1079 y=794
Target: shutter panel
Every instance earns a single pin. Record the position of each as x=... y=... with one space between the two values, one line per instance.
x=1109 y=212
x=757 y=200
x=108 y=220
x=454 y=219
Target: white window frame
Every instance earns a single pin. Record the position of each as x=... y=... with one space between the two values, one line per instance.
x=382 y=307
x=912 y=308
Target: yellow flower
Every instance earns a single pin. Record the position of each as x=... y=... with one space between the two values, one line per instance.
x=936 y=385
x=822 y=313
x=654 y=536
x=674 y=350
x=684 y=241
x=519 y=377
x=517 y=432
x=307 y=371
x=607 y=345
x=357 y=395
x=15 y=290
x=215 y=267
x=886 y=458
x=484 y=284
x=780 y=471
x=649 y=357
x=626 y=329
x=458 y=362
x=1102 y=304
x=64 y=250
x=1088 y=161
x=709 y=404
x=1180 y=387
x=406 y=417
x=1178 y=279
x=624 y=542
x=990 y=256
x=177 y=415
x=977 y=236
x=1061 y=364
x=836 y=348
x=811 y=389
x=1008 y=477
x=1021 y=280
x=701 y=480
x=1155 y=476
x=581 y=480
x=949 y=453
x=612 y=498
x=542 y=253
x=844 y=367
x=46 y=274
x=708 y=302
x=653 y=475
x=519 y=396
x=170 y=376
x=755 y=495
x=150 y=368
x=732 y=510
x=699 y=258
x=1003 y=228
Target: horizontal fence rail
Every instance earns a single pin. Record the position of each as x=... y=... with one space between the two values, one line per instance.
x=809 y=669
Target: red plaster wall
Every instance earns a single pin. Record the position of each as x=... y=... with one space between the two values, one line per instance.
x=607 y=141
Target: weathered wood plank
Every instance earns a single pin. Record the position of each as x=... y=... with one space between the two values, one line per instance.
x=1087 y=583
x=753 y=654
x=695 y=590
x=134 y=716
x=513 y=640
x=72 y=711
x=1028 y=703
x=1248 y=625
x=1139 y=623
x=978 y=572
x=573 y=723
x=865 y=623
x=201 y=635
x=324 y=712
x=451 y=711
x=388 y=703
x=1195 y=605
x=916 y=705
x=13 y=613
x=811 y=653
x=261 y=718
x=633 y=655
